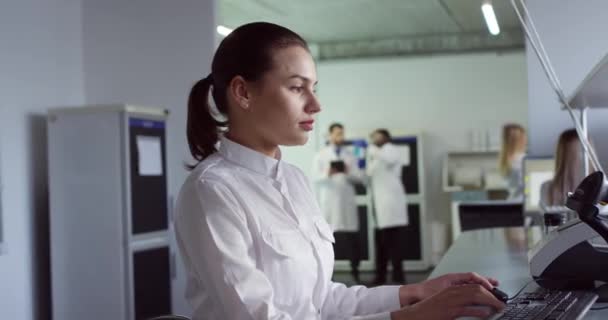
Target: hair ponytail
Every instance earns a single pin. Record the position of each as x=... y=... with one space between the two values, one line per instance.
x=202 y=127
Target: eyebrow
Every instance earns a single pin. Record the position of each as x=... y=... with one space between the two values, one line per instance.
x=303 y=78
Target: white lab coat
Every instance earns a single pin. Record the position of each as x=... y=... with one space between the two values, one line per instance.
x=515 y=178
x=337 y=196
x=384 y=170
x=256 y=247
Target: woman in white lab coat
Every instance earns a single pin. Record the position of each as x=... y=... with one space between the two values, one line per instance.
x=511 y=157
x=335 y=173
x=253 y=239
x=384 y=168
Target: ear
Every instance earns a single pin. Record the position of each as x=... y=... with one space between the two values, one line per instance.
x=239 y=90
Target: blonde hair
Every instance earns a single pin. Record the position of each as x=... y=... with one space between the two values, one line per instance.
x=512 y=135
x=568 y=167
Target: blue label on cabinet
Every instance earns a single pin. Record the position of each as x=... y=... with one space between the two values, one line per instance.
x=145 y=123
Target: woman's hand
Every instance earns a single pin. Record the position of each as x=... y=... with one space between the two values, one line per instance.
x=410 y=294
x=452 y=302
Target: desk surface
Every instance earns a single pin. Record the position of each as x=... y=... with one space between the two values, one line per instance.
x=499 y=253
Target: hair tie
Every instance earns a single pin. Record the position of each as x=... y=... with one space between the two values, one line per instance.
x=209 y=78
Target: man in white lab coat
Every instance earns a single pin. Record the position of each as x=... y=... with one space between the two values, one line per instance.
x=384 y=169
x=336 y=171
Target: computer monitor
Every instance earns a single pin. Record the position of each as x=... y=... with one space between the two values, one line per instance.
x=490 y=214
x=536 y=172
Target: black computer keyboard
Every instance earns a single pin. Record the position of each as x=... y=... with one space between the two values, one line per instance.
x=544 y=304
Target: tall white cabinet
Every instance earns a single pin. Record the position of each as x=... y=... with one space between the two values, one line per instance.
x=110 y=256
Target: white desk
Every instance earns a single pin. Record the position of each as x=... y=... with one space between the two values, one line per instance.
x=499 y=253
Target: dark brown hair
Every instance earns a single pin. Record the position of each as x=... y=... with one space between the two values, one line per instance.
x=334 y=126
x=385 y=133
x=247 y=52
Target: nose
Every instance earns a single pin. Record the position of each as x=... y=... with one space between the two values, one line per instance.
x=313 y=106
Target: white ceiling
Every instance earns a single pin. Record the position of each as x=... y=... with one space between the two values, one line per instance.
x=333 y=22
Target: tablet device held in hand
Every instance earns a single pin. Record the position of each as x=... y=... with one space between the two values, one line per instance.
x=338 y=166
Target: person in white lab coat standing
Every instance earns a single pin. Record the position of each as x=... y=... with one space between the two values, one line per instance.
x=336 y=171
x=511 y=159
x=254 y=242
x=390 y=206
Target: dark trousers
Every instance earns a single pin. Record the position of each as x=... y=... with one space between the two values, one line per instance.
x=348 y=247
x=389 y=246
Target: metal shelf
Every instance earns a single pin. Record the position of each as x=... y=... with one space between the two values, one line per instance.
x=593 y=91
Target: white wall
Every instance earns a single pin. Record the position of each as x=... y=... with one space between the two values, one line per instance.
x=150 y=53
x=40 y=67
x=72 y=52
x=443 y=96
x=573 y=33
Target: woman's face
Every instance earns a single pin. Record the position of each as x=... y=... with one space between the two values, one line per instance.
x=519 y=139
x=523 y=141
x=284 y=102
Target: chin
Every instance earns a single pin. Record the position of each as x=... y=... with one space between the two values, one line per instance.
x=297 y=140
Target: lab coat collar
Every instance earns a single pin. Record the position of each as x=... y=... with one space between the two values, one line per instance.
x=332 y=147
x=251 y=159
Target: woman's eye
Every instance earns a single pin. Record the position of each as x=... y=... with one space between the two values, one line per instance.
x=297 y=89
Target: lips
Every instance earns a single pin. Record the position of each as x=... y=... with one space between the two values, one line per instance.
x=307 y=125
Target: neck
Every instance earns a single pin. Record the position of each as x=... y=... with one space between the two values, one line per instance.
x=252 y=142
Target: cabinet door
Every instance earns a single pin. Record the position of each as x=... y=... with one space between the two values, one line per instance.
x=148 y=176
x=411 y=237
x=349 y=246
x=409 y=172
x=151 y=283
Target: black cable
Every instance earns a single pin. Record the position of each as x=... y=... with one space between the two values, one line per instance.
x=599 y=308
x=520 y=290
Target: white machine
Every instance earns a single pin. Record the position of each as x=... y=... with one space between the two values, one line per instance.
x=568 y=258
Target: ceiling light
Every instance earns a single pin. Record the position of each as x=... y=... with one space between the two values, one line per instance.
x=224 y=31
x=490 y=17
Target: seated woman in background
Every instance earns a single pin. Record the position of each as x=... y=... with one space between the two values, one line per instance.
x=514 y=143
x=568 y=171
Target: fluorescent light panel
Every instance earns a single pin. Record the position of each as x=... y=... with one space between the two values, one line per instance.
x=224 y=31
x=490 y=17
